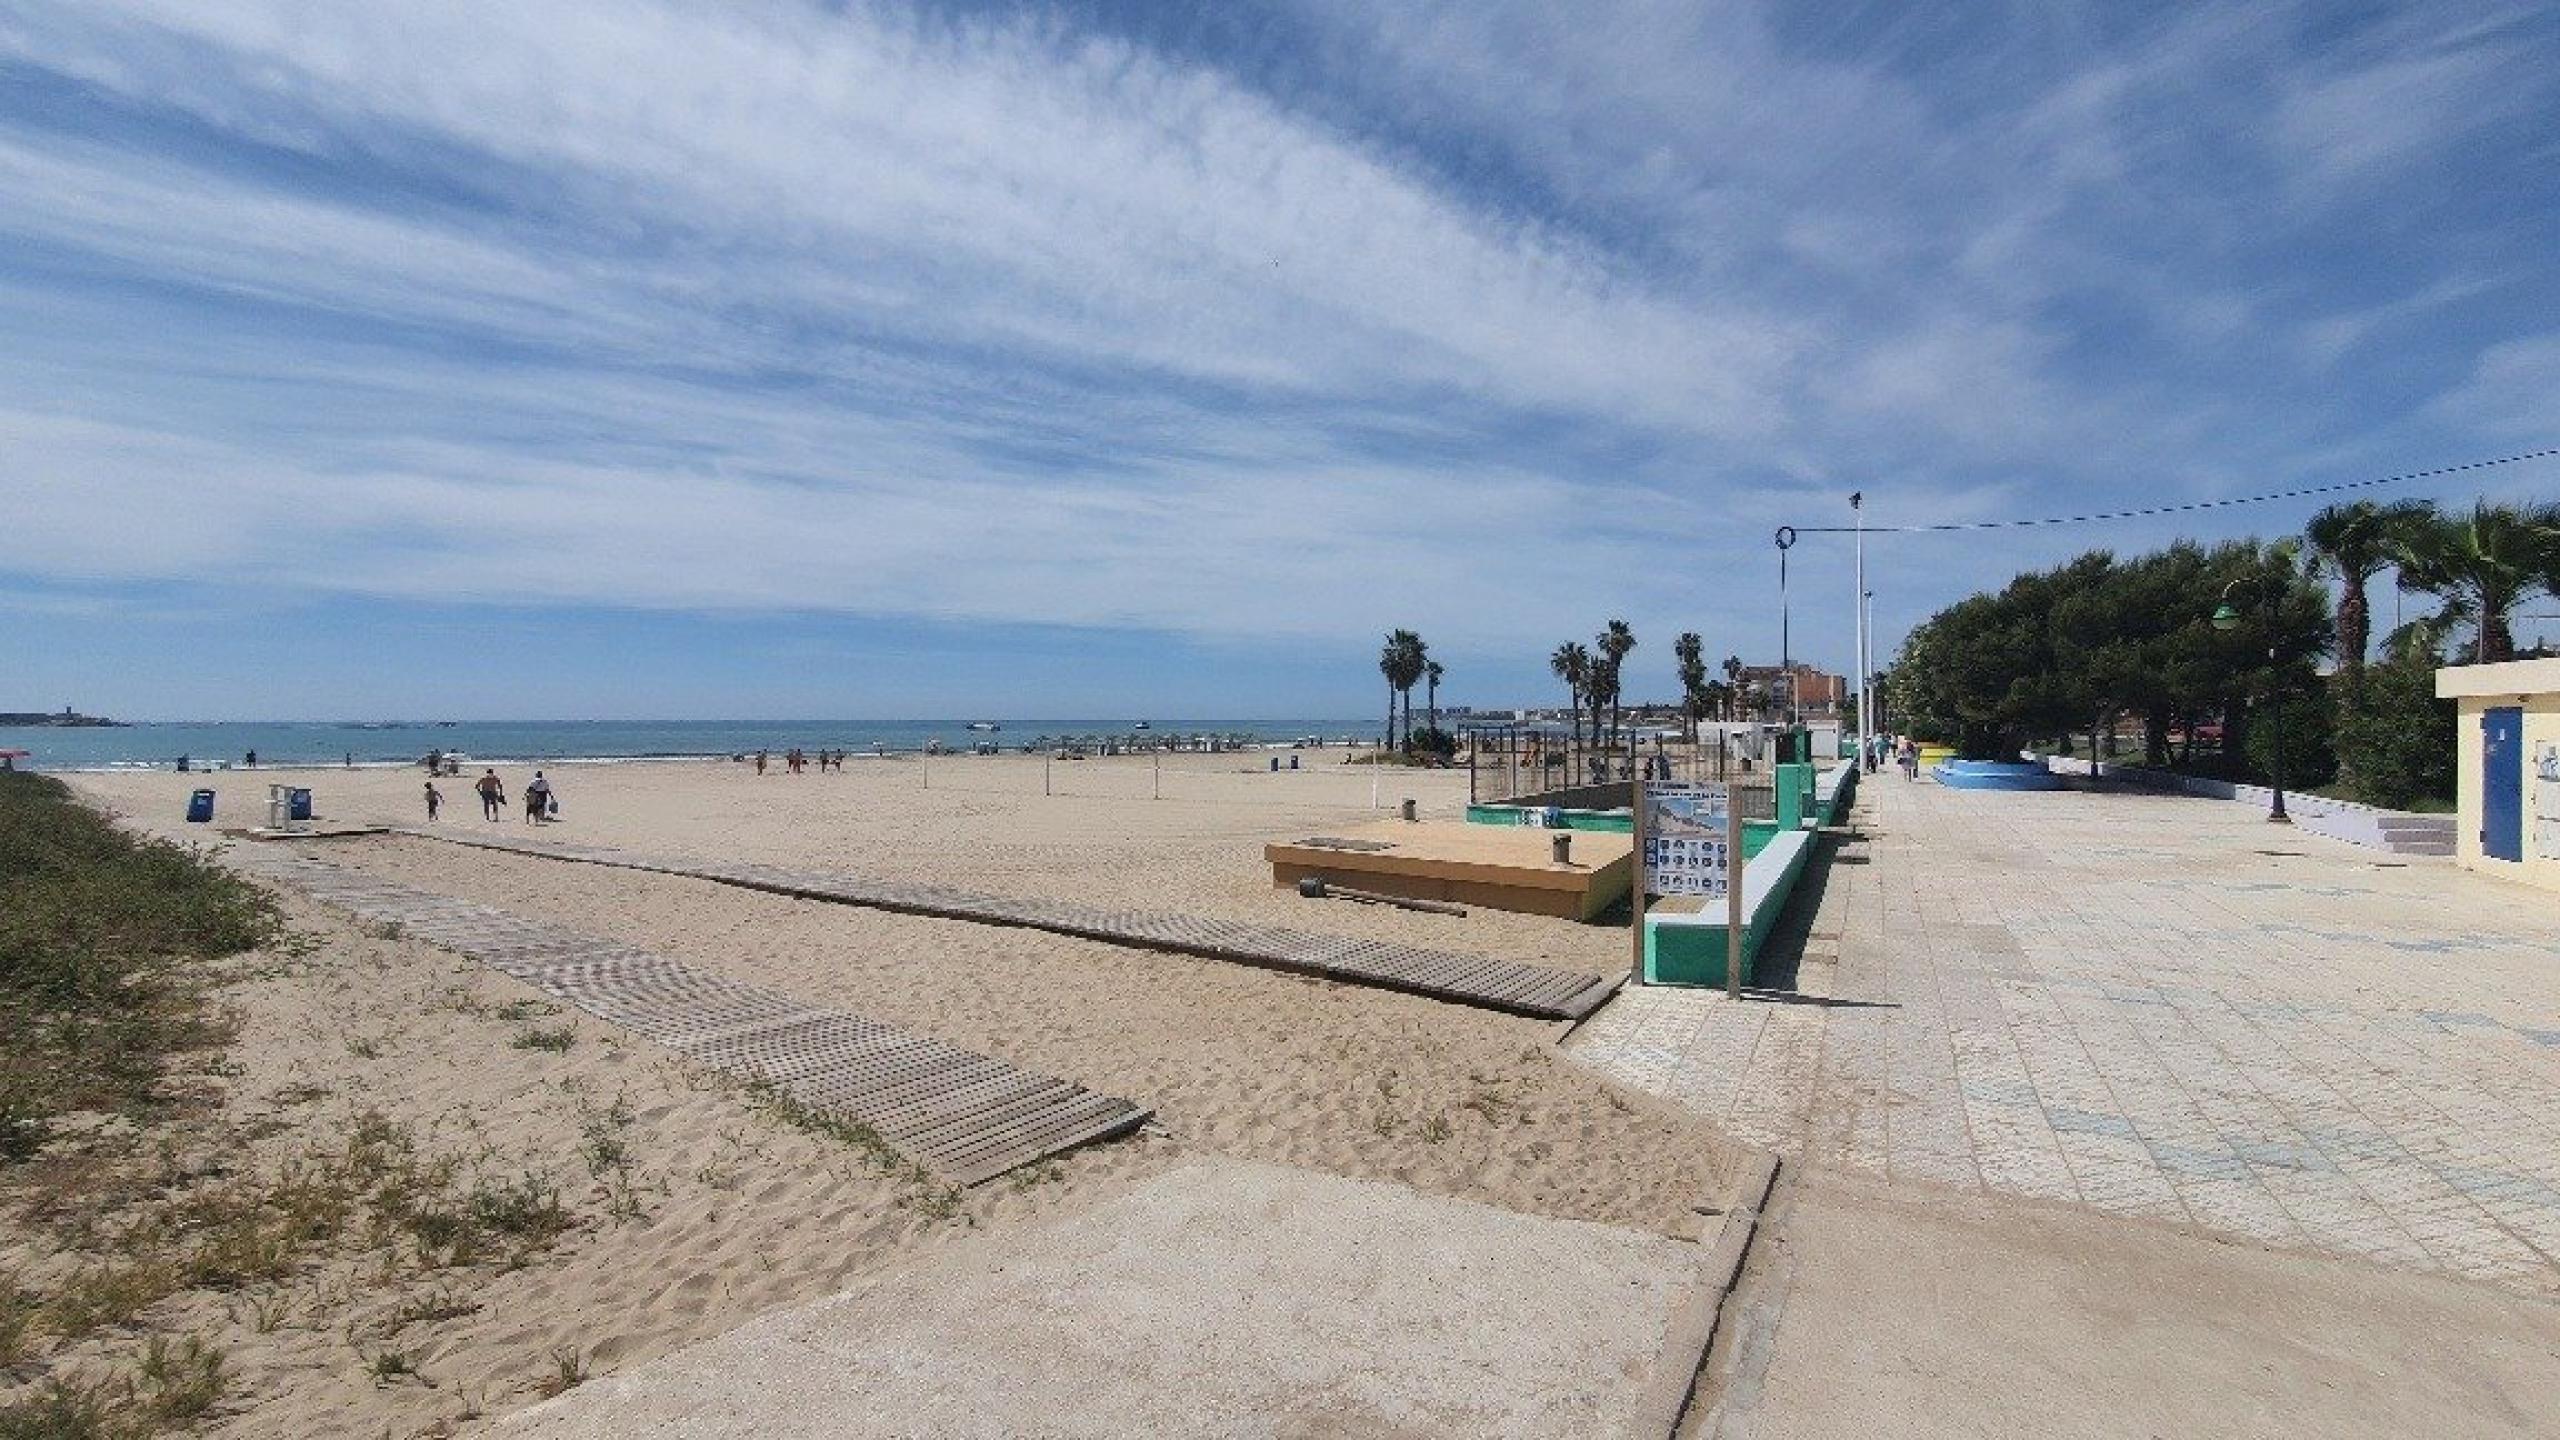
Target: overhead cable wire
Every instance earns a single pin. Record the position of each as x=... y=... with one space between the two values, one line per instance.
x=2181 y=508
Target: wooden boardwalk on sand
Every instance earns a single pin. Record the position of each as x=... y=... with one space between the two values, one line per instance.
x=959 y=1114
x=1540 y=991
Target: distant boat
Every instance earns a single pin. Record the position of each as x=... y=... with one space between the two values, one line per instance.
x=1143 y=725
x=988 y=725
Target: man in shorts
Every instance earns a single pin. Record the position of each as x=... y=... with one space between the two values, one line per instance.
x=493 y=793
x=537 y=800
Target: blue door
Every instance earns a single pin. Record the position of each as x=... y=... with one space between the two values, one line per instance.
x=2502 y=783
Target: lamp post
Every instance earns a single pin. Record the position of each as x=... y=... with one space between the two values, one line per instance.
x=1870 y=713
x=1786 y=644
x=1858 y=609
x=2226 y=618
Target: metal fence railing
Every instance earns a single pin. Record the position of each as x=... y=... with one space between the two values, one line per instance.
x=1519 y=763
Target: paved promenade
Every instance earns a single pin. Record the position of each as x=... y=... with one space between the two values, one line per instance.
x=2152 y=1006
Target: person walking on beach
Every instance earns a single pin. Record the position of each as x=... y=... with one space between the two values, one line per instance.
x=435 y=801
x=537 y=800
x=493 y=793
x=759 y=762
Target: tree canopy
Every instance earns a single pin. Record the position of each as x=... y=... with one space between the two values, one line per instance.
x=2064 y=651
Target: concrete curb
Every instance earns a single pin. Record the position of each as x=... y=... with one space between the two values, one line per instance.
x=1665 y=1400
x=2397 y=832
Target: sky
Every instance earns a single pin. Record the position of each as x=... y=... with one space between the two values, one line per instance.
x=647 y=359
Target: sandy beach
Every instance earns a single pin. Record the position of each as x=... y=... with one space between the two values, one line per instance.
x=715 y=1211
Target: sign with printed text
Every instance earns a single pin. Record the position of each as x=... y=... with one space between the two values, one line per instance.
x=1685 y=838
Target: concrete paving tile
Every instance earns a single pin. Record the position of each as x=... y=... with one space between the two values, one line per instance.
x=2148 y=1015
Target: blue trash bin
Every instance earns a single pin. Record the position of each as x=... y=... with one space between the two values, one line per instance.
x=200 y=808
x=298 y=805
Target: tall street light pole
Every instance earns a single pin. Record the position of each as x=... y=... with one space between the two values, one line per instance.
x=1870 y=714
x=1858 y=609
x=1786 y=643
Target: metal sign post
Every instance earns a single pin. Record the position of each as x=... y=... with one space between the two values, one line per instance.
x=1732 y=899
x=1635 y=897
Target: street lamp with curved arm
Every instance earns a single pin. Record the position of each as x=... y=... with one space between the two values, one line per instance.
x=2226 y=618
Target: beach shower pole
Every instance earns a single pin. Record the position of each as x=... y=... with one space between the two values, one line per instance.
x=1156 y=786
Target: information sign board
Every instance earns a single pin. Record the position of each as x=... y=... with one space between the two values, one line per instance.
x=1687 y=831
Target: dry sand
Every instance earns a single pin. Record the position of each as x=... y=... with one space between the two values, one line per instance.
x=738 y=1213
x=977 y=822
x=728 y=1212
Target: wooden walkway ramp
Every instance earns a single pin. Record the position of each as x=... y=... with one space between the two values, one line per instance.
x=1541 y=991
x=959 y=1114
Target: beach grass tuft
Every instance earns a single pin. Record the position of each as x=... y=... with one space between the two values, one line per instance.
x=179 y=1382
x=568 y=1371
x=104 y=937
x=556 y=1038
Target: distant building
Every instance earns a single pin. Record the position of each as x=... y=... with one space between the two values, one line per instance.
x=1816 y=692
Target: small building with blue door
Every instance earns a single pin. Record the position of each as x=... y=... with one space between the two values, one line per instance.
x=2507 y=739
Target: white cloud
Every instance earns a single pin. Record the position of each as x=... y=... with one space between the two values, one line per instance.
x=1010 y=320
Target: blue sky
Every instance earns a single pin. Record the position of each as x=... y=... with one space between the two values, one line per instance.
x=649 y=359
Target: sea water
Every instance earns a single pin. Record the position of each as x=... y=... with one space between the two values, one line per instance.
x=157 y=745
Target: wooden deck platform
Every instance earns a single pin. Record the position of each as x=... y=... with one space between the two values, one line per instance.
x=1500 y=867
x=964 y=1116
x=1511 y=986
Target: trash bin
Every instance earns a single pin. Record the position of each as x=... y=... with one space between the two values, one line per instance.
x=299 y=806
x=200 y=808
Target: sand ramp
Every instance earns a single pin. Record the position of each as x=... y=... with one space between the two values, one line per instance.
x=964 y=1116
x=1540 y=991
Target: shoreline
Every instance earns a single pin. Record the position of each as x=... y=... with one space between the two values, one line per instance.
x=725 y=757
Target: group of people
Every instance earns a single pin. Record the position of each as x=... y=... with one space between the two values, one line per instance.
x=1903 y=752
x=541 y=802
x=796 y=760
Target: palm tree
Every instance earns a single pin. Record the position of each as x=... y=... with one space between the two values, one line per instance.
x=1691 y=651
x=2355 y=542
x=1732 y=668
x=1388 y=663
x=2482 y=564
x=1403 y=661
x=1431 y=673
x=1613 y=643
x=1572 y=665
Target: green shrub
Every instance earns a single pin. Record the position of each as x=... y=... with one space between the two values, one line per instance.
x=1432 y=741
x=2397 y=746
x=102 y=939
x=2309 y=759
